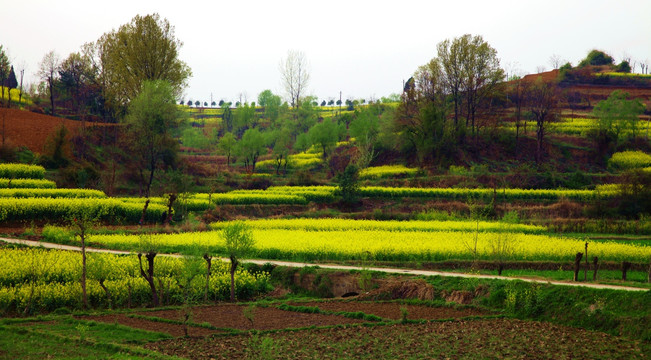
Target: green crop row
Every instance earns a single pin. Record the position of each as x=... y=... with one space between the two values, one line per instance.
x=111 y=210
x=393 y=225
x=26 y=184
x=190 y=204
x=386 y=171
x=253 y=197
x=52 y=193
x=21 y=171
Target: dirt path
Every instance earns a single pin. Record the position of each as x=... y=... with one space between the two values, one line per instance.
x=340 y=267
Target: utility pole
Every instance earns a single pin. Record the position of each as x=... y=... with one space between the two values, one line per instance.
x=340 y=103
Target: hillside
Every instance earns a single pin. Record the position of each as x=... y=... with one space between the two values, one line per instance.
x=29 y=129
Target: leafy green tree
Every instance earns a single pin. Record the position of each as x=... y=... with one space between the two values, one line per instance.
x=616 y=114
x=271 y=104
x=597 y=57
x=250 y=147
x=325 y=135
x=302 y=142
x=239 y=243
x=151 y=118
x=365 y=129
x=470 y=73
x=226 y=146
x=281 y=148
x=227 y=116
x=145 y=49
x=348 y=184
x=100 y=269
x=245 y=118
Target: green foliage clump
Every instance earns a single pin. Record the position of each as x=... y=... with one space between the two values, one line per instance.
x=597 y=57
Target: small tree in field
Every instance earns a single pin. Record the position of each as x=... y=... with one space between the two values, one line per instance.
x=150 y=250
x=239 y=243
x=101 y=270
x=349 y=184
x=191 y=267
x=81 y=224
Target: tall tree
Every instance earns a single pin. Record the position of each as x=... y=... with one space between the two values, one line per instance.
x=250 y=147
x=482 y=75
x=324 y=134
x=295 y=76
x=4 y=71
x=152 y=116
x=48 y=72
x=144 y=49
x=543 y=105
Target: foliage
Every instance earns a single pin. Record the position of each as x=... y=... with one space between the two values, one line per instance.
x=348 y=184
x=110 y=210
x=51 y=193
x=386 y=171
x=629 y=160
x=325 y=135
x=143 y=50
x=152 y=116
x=617 y=114
x=597 y=57
x=305 y=244
x=57 y=284
x=21 y=171
x=27 y=184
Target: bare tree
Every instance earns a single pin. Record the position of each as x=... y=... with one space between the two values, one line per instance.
x=48 y=72
x=543 y=105
x=540 y=69
x=556 y=61
x=295 y=75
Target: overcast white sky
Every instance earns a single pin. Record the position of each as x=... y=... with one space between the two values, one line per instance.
x=362 y=48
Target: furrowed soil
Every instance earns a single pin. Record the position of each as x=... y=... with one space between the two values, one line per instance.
x=459 y=339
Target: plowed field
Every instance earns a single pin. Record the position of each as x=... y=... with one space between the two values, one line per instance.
x=25 y=128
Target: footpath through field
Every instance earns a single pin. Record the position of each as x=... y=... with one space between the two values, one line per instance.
x=338 y=267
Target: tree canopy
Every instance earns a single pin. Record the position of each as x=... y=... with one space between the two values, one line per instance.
x=144 y=49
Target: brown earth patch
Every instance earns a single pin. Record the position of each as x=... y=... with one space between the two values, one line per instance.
x=489 y=338
x=175 y=330
x=231 y=316
x=393 y=310
x=29 y=129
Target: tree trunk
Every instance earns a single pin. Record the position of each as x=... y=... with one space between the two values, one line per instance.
x=577 y=265
x=587 y=265
x=233 y=267
x=208 y=266
x=84 y=296
x=595 y=265
x=108 y=293
x=149 y=275
x=144 y=211
x=625 y=267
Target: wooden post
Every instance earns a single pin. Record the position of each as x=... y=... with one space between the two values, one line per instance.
x=595 y=264
x=625 y=266
x=577 y=265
